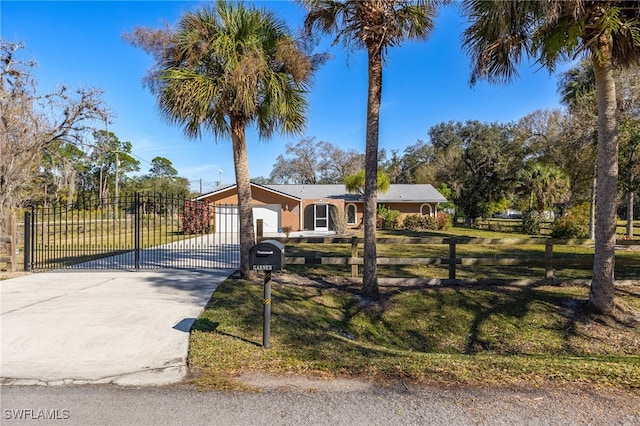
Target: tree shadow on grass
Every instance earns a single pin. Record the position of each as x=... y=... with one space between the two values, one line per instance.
x=330 y=324
x=205 y=325
x=503 y=305
x=570 y=319
x=502 y=319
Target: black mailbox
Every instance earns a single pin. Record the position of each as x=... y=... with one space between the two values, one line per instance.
x=267 y=255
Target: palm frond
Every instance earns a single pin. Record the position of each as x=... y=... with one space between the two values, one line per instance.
x=231 y=60
x=499 y=36
x=377 y=24
x=502 y=33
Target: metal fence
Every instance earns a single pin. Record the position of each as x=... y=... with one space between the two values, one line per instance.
x=132 y=232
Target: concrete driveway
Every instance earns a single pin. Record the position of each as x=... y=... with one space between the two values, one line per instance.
x=127 y=328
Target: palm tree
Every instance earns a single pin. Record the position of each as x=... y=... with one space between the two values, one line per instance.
x=502 y=33
x=630 y=161
x=374 y=25
x=226 y=68
x=544 y=184
x=577 y=83
x=355 y=182
x=577 y=89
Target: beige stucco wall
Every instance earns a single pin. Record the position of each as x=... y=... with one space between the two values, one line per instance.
x=307 y=222
x=407 y=209
x=289 y=207
x=292 y=211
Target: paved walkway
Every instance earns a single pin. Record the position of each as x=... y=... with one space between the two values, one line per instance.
x=128 y=328
x=210 y=251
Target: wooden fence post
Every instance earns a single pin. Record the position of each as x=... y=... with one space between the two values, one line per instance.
x=452 y=259
x=11 y=243
x=548 y=262
x=354 y=255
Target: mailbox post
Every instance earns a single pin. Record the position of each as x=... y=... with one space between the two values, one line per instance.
x=266 y=309
x=267 y=256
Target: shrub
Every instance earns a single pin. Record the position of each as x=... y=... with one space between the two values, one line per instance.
x=531 y=221
x=287 y=230
x=416 y=222
x=443 y=221
x=197 y=218
x=387 y=218
x=574 y=224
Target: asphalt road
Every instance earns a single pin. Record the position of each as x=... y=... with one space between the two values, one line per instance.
x=367 y=405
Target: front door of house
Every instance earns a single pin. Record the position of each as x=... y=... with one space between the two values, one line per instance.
x=321 y=217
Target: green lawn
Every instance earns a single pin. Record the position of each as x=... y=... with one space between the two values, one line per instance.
x=480 y=335
x=477 y=335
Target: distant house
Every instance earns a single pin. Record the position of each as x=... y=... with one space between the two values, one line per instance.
x=313 y=207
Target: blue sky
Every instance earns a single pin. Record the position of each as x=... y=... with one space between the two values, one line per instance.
x=78 y=43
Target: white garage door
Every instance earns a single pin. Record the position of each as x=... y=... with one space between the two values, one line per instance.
x=227 y=219
x=270 y=215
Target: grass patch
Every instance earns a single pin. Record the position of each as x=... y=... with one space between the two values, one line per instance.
x=477 y=335
x=571 y=261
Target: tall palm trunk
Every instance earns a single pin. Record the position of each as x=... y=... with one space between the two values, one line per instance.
x=592 y=204
x=241 y=165
x=602 y=287
x=370 y=269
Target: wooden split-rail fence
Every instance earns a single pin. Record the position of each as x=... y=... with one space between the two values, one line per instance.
x=454 y=261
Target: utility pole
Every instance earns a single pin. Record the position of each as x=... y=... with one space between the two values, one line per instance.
x=100 y=192
x=200 y=186
x=117 y=168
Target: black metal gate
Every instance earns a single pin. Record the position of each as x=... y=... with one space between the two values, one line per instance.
x=132 y=232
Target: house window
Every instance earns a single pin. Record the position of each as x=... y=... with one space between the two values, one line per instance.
x=351 y=214
x=426 y=210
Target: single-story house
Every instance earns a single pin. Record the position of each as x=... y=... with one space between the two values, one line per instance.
x=313 y=207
